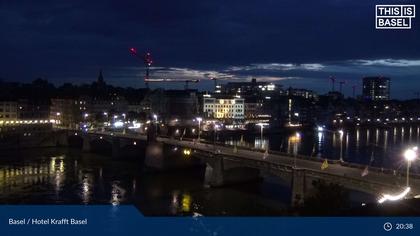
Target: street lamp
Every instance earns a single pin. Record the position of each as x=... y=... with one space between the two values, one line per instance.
x=57 y=118
x=216 y=126
x=261 y=125
x=155 y=117
x=410 y=155
x=199 y=119
x=341 y=132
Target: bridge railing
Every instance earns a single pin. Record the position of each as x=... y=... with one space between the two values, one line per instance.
x=312 y=158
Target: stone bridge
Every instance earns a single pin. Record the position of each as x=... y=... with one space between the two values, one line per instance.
x=228 y=165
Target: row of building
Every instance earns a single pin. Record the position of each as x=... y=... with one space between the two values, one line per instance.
x=233 y=103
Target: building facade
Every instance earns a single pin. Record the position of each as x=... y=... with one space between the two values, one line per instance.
x=65 y=112
x=172 y=104
x=252 y=88
x=224 y=108
x=8 y=110
x=376 y=88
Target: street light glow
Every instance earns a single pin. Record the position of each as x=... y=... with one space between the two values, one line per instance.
x=118 y=124
x=410 y=154
x=388 y=197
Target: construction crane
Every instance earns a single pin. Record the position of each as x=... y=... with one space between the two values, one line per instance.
x=354 y=90
x=148 y=61
x=341 y=85
x=218 y=79
x=332 y=79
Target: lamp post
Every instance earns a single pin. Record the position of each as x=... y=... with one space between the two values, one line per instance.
x=410 y=155
x=341 y=132
x=216 y=126
x=261 y=125
x=199 y=119
x=57 y=119
x=155 y=117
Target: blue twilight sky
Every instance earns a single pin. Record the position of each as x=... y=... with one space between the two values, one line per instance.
x=297 y=43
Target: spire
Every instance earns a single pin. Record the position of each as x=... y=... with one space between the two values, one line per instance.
x=101 y=77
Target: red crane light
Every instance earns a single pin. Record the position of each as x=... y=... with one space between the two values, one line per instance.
x=148 y=59
x=133 y=50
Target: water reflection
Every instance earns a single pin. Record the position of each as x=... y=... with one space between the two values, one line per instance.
x=117 y=193
x=81 y=178
x=53 y=179
x=354 y=145
x=181 y=203
x=52 y=172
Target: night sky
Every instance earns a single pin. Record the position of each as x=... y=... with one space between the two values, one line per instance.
x=297 y=43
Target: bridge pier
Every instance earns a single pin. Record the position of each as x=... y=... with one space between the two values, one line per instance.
x=86 y=144
x=298 y=187
x=154 y=156
x=214 y=173
x=62 y=139
x=220 y=172
x=151 y=133
x=116 y=147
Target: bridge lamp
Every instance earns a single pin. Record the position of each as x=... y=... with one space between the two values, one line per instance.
x=410 y=155
x=199 y=119
x=341 y=132
x=261 y=125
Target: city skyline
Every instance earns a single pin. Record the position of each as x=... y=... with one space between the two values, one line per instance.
x=270 y=41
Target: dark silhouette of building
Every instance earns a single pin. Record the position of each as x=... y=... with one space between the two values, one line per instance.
x=253 y=88
x=376 y=88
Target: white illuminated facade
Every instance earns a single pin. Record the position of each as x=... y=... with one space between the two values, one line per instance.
x=223 y=108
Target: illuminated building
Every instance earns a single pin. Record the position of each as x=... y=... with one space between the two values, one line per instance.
x=223 y=108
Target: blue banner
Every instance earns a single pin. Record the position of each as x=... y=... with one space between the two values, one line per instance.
x=124 y=220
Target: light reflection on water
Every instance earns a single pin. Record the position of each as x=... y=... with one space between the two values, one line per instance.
x=359 y=145
x=75 y=178
x=54 y=179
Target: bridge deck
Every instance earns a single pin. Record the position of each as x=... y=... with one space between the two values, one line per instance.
x=335 y=169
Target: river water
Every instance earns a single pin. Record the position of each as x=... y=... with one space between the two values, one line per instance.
x=61 y=176
x=69 y=176
x=379 y=147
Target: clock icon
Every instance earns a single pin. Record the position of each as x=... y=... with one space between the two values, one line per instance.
x=387 y=226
